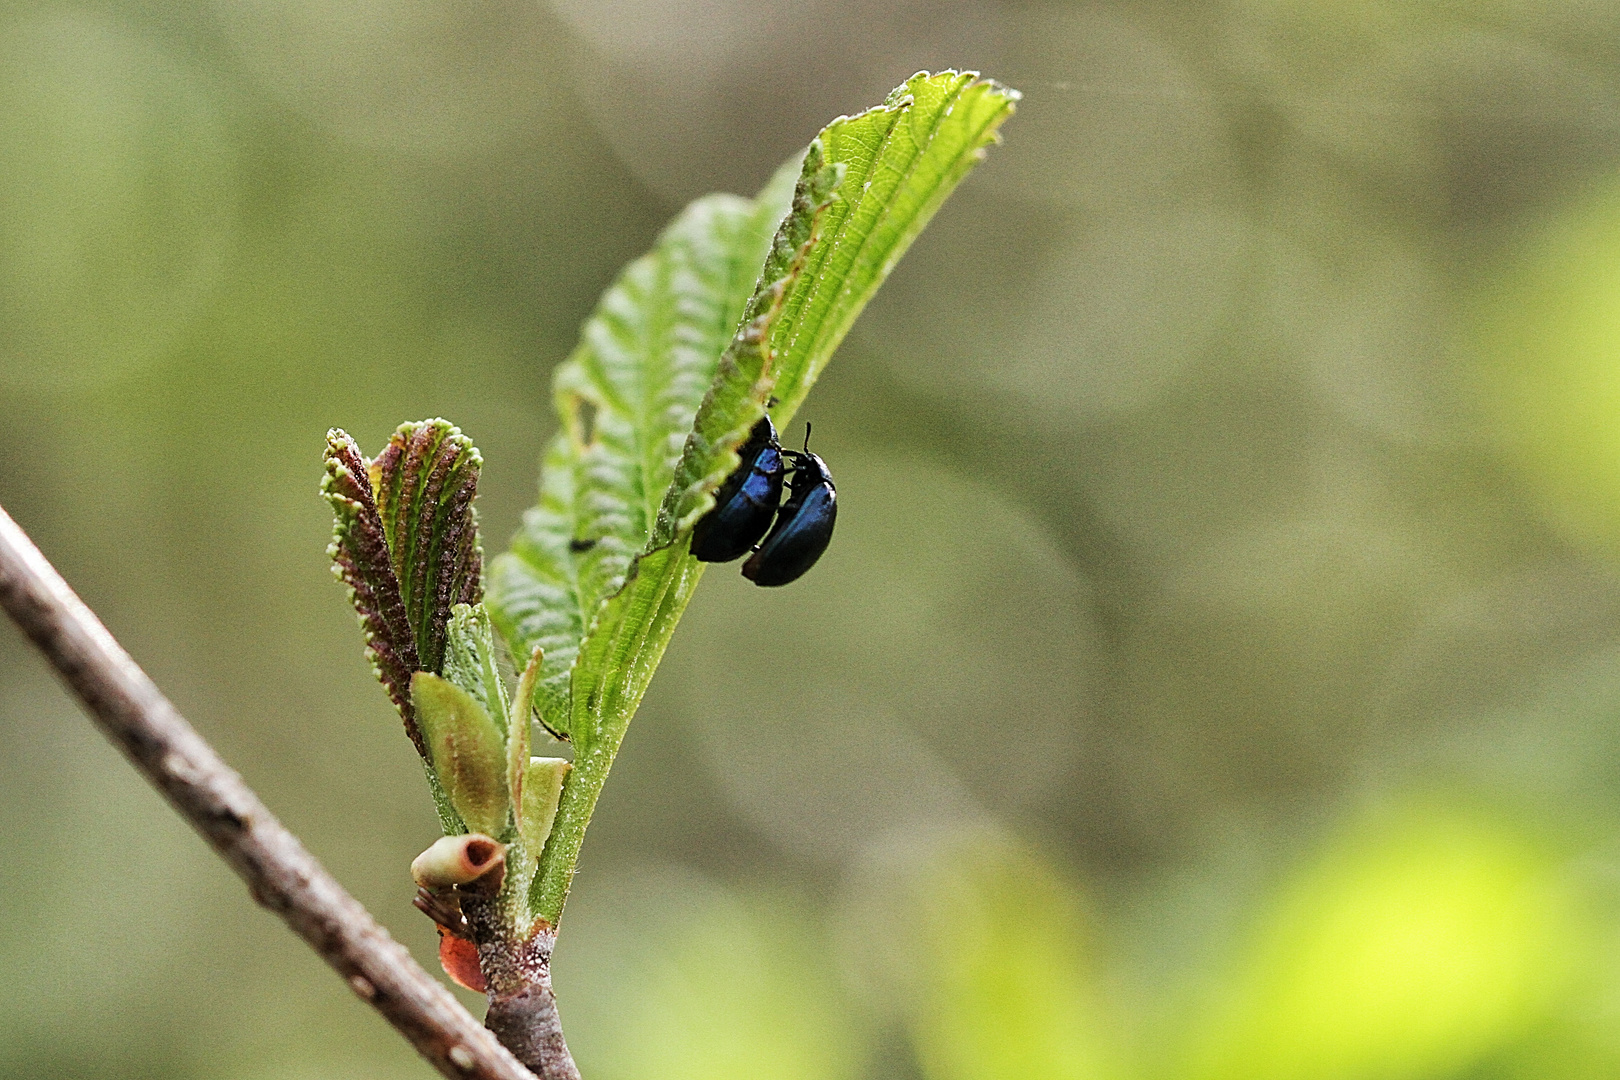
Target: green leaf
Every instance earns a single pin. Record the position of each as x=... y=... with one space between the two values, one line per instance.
x=467 y=751
x=893 y=166
x=688 y=345
x=626 y=398
x=471 y=663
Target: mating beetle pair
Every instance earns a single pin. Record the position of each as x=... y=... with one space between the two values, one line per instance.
x=751 y=498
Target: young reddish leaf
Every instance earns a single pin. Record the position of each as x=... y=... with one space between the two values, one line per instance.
x=459 y=958
x=360 y=559
x=406 y=545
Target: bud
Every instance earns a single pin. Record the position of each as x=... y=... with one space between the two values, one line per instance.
x=467 y=750
x=542 y=789
x=458 y=860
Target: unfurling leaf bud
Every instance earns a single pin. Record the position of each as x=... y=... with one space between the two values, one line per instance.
x=542 y=789
x=517 y=738
x=406 y=545
x=360 y=559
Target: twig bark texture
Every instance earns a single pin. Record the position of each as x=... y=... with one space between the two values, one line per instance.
x=280 y=873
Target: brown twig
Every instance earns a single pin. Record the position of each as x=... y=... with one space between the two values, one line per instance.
x=280 y=873
x=522 y=1008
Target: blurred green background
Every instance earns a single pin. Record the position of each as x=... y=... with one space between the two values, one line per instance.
x=1216 y=673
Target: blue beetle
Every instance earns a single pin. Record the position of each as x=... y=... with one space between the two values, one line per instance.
x=804 y=525
x=746 y=502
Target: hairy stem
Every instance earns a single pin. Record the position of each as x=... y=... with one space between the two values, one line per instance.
x=281 y=875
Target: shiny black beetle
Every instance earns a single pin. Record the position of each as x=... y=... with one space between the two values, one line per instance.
x=804 y=525
x=746 y=503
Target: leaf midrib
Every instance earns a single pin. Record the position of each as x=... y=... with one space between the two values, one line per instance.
x=884 y=215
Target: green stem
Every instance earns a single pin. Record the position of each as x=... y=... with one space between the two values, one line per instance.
x=579 y=795
x=673 y=576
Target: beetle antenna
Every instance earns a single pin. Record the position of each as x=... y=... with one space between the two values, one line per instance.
x=807 y=436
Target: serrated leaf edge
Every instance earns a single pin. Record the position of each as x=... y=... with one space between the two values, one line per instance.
x=382 y=619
